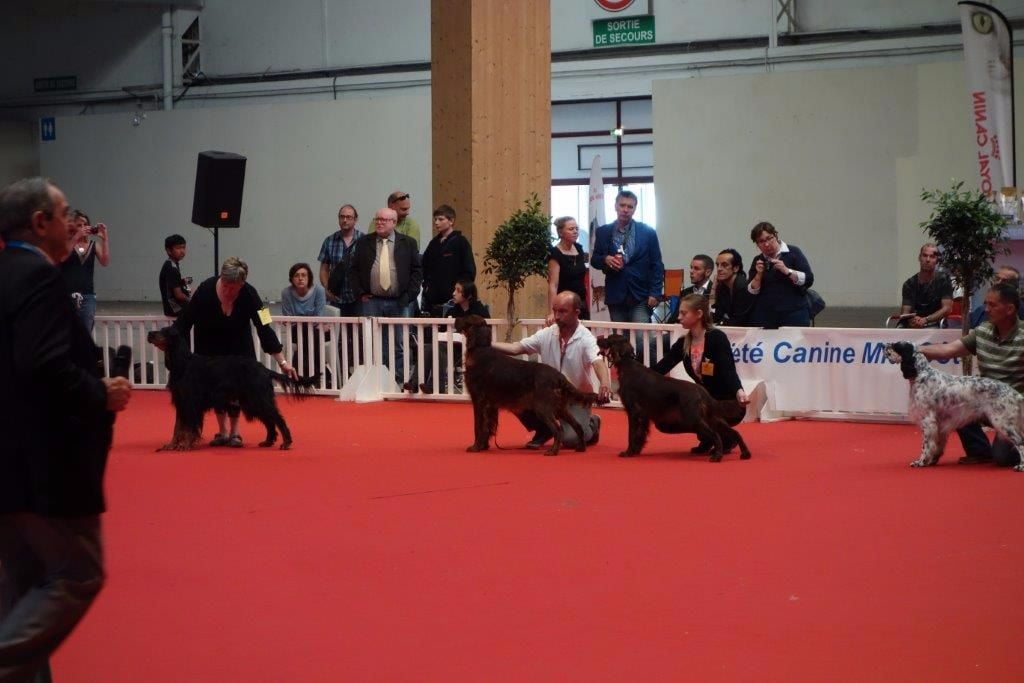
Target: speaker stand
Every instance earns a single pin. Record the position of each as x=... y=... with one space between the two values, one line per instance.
x=216 y=252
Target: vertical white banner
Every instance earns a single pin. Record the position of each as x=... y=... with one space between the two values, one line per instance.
x=988 y=57
x=598 y=308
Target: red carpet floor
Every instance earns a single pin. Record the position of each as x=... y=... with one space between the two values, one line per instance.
x=379 y=550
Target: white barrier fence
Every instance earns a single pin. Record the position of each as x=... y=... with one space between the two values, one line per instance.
x=806 y=372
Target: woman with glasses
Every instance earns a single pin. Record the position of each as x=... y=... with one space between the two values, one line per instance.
x=779 y=279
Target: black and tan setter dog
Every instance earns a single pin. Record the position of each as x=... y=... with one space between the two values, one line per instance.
x=495 y=380
x=673 y=405
x=233 y=384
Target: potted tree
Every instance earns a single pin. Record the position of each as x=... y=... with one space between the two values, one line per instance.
x=967 y=228
x=518 y=250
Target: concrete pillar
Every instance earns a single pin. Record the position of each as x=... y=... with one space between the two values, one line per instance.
x=491 y=114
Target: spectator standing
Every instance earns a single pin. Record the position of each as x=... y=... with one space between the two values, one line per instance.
x=400 y=202
x=385 y=277
x=567 y=266
x=79 y=267
x=174 y=289
x=629 y=254
x=335 y=257
x=447 y=259
x=57 y=417
x=779 y=278
x=928 y=294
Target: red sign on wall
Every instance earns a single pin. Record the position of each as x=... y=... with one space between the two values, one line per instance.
x=614 y=5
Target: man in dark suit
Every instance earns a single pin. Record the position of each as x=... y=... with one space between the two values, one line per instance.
x=57 y=417
x=385 y=276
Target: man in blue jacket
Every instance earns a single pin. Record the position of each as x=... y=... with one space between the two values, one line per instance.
x=628 y=253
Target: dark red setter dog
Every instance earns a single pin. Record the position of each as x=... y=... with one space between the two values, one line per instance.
x=233 y=384
x=673 y=405
x=495 y=380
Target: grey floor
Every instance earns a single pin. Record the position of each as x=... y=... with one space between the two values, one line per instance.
x=841 y=316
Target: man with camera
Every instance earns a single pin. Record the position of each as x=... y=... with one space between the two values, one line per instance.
x=57 y=418
x=78 y=268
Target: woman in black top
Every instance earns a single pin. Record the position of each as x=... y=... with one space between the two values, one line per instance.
x=706 y=355
x=463 y=302
x=221 y=311
x=567 y=266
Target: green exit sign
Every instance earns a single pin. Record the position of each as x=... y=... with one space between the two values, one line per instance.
x=624 y=31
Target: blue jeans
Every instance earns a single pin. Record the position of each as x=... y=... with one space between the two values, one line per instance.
x=975 y=442
x=380 y=307
x=87 y=311
x=627 y=312
x=52 y=571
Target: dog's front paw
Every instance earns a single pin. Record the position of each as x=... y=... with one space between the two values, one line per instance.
x=476 y=448
x=919 y=463
x=627 y=454
x=715 y=457
x=1019 y=468
x=267 y=443
x=286 y=445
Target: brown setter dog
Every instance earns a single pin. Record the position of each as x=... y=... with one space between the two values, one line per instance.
x=673 y=405
x=495 y=380
x=233 y=384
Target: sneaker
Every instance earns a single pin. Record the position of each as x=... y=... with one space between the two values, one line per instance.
x=535 y=444
x=426 y=388
x=975 y=459
x=410 y=386
x=219 y=440
x=235 y=441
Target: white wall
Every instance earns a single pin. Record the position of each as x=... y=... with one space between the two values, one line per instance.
x=835 y=159
x=304 y=161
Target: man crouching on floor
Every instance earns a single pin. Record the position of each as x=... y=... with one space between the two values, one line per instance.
x=570 y=348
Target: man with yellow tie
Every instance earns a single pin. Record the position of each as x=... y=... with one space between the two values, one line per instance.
x=385 y=276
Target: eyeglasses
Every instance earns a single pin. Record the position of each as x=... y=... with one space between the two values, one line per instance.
x=403 y=197
x=379 y=219
x=347 y=215
x=767 y=239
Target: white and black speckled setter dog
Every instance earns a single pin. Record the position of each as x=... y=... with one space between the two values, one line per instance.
x=941 y=403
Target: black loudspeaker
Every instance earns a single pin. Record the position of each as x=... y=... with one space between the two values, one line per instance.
x=220 y=177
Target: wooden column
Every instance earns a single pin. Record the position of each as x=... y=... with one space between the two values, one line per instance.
x=491 y=114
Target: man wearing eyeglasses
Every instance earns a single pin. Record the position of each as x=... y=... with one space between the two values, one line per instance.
x=400 y=202
x=385 y=276
x=335 y=254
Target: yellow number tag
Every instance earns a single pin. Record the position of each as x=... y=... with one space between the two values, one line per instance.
x=265 y=316
x=707 y=368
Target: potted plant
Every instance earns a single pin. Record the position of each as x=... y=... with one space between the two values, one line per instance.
x=967 y=228
x=518 y=250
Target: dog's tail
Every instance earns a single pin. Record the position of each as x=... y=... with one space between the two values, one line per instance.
x=298 y=388
x=731 y=411
x=587 y=398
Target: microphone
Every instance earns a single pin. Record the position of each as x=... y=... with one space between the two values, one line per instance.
x=122 y=362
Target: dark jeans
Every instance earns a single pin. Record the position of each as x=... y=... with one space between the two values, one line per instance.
x=772 y=320
x=380 y=307
x=975 y=442
x=52 y=570
x=351 y=343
